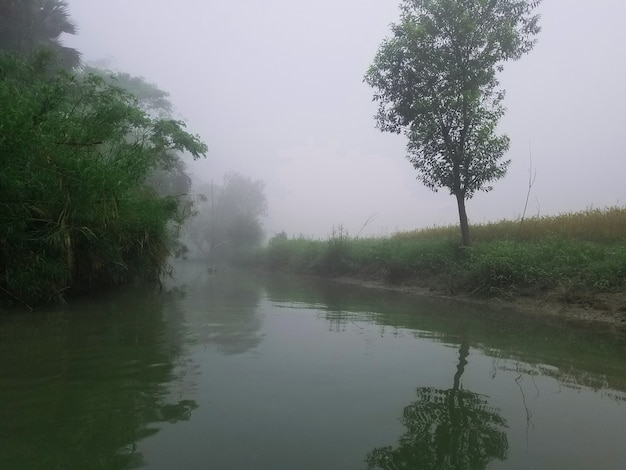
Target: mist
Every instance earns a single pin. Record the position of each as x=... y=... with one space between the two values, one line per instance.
x=276 y=90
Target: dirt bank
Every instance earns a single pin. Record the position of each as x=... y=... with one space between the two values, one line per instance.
x=599 y=309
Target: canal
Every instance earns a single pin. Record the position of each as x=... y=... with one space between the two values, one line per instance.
x=240 y=370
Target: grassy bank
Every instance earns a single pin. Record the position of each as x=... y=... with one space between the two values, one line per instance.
x=574 y=254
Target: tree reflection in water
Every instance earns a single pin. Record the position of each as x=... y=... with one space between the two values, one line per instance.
x=446 y=429
x=81 y=387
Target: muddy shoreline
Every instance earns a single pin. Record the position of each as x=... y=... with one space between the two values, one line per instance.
x=595 y=311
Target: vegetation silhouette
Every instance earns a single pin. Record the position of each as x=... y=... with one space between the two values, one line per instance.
x=29 y=26
x=228 y=219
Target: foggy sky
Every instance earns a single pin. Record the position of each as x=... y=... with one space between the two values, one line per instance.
x=275 y=88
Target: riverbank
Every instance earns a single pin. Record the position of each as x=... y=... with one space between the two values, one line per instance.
x=601 y=309
x=572 y=265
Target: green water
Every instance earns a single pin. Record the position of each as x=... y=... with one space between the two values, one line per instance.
x=242 y=371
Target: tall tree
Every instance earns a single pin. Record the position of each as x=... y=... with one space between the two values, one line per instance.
x=29 y=25
x=435 y=81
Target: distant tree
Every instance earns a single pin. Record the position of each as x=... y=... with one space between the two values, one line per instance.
x=435 y=80
x=26 y=26
x=229 y=216
x=279 y=237
x=241 y=195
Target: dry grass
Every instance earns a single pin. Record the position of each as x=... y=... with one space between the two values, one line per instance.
x=595 y=225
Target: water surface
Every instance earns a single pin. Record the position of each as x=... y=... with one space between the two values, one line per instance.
x=237 y=370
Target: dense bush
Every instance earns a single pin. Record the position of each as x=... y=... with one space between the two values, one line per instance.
x=75 y=212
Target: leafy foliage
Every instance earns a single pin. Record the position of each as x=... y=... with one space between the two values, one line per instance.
x=76 y=212
x=170 y=178
x=150 y=97
x=26 y=26
x=435 y=80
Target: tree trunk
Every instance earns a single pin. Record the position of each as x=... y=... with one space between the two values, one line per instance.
x=460 y=368
x=465 y=235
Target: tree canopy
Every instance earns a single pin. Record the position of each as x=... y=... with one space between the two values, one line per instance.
x=27 y=26
x=76 y=211
x=93 y=188
x=435 y=80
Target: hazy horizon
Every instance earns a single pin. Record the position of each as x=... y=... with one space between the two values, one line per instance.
x=276 y=90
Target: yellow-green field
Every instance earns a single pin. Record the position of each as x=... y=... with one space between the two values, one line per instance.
x=594 y=225
x=581 y=251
